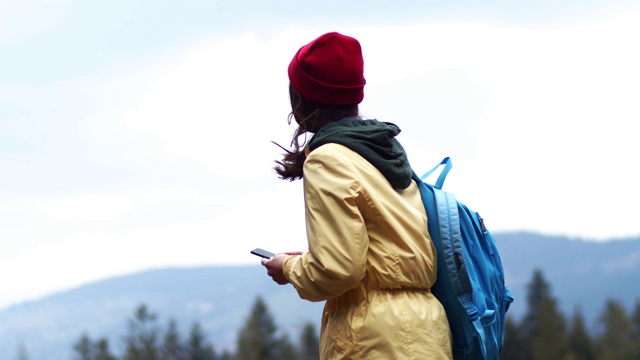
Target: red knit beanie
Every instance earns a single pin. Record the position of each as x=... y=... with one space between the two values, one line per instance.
x=329 y=70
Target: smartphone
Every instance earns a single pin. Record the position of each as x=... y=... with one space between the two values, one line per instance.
x=262 y=253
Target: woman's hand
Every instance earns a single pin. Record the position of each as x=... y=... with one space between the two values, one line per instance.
x=274 y=266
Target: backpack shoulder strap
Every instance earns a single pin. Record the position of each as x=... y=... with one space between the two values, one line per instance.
x=454 y=255
x=447 y=166
x=449 y=221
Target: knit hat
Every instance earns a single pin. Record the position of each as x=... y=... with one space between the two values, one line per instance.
x=329 y=70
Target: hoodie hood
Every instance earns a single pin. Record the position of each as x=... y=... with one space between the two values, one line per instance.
x=373 y=140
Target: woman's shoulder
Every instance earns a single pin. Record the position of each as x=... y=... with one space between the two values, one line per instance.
x=340 y=161
x=335 y=154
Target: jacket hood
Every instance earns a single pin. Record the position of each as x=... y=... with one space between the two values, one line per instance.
x=373 y=140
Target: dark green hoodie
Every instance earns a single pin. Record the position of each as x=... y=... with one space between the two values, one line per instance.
x=373 y=140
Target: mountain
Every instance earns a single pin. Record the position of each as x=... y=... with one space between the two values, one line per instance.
x=218 y=297
x=581 y=273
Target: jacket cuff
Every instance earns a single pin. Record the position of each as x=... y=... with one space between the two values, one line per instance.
x=286 y=267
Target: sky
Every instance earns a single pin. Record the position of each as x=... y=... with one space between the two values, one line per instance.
x=138 y=134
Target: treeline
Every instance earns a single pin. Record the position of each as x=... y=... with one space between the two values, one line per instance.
x=147 y=340
x=543 y=333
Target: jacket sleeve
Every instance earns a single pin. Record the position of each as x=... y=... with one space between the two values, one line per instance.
x=338 y=241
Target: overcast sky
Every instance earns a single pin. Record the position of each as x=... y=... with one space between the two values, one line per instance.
x=137 y=134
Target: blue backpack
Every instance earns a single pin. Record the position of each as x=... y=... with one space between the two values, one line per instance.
x=470 y=283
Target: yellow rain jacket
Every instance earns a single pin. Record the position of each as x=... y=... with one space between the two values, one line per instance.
x=370 y=257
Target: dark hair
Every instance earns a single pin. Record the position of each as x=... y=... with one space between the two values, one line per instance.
x=310 y=117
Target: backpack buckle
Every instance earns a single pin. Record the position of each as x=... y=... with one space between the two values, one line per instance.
x=473 y=313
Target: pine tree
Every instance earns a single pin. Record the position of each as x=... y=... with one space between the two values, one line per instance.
x=172 y=348
x=615 y=341
x=544 y=325
x=579 y=338
x=198 y=348
x=142 y=340
x=635 y=330
x=257 y=340
x=514 y=341
x=102 y=351
x=83 y=348
x=537 y=290
x=285 y=349
x=309 y=343
x=87 y=349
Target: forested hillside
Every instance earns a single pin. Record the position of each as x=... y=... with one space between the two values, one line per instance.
x=543 y=333
x=591 y=279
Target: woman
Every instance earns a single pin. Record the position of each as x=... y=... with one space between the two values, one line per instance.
x=370 y=256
